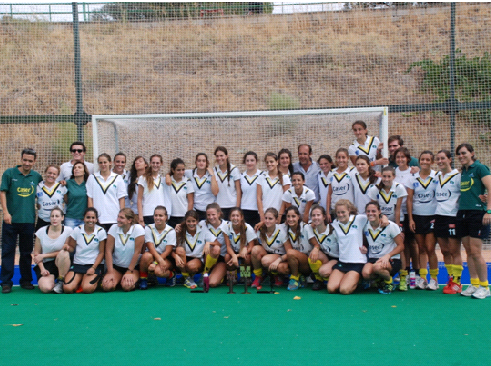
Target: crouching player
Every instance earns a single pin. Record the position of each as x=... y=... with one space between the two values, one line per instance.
x=384 y=247
x=160 y=240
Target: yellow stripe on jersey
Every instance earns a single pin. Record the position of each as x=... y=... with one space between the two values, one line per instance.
x=320 y=237
x=374 y=234
x=88 y=238
x=50 y=192
x=250 y=182
x=157 y=185
x=363 y=187
x=339 y=178
x=105 y=187
x=200 y=182
x=324 y=181
x=386 y=197
x=221 y=176
x=216 y=233
x=236 y=238
x=442 y=183
x=190 y=244
x=178 y=187
x=424 y=185
x=155 y=235
x=369 y=145
x=124 y=238
x=292 y=236
x=297 y=201
x=272 y=183
x=271 y=241
x=346 y=228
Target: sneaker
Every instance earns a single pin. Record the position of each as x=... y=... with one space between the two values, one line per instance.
x=27 y=286
x=58 y=287
x=421 y=283
x=189 y=283
x=433 y=285
x=6 y=288
x=469 y=291
x=403 y=284
x=302 y=281
x=366 y=284
x=152 y=279
x=318 y=285
x=171 y=282
x=278 y=281
x=257 y=282
x=292 y=285
x=143 y=283
x=447 y=285
x=452 y=288
x=310 y=279
x=481 y=293
x=386 y=289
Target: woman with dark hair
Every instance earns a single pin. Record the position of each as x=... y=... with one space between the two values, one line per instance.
x=137 y=170
x=49 y=194
x=228 y=180
x=76 y=195
x=325 y=166
x=285 y=164
x=181 y=191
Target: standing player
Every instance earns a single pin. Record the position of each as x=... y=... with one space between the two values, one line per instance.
x=285 y=165
x=106 y=192
x=138 y=169
x=77 y=149
x=228 y=180
x=298 y=196
x=271 y=186
x=123 y=247
x=76 y=195
x=248 y=186
x=341 y=186
x=421 y=206
x=308 y=168
x=365 y=145
x=49 y=194
x=474 y=218
x=447 y=197
x=17 y=195
x=363 y=177
x=181 y=191
x=325 y=166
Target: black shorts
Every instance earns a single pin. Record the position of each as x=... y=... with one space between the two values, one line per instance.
x=40 y=223
x=83 y=268
x=123 y=270
x=251 y=217
x=226 y=212
x=347 y=267
x=49 y=266
x=408 y=234
x=424 y=224
x=469 y=223
x=174 y=220
x=148 y=220
x=395 y=263
x=445 y=226
x=188 y=259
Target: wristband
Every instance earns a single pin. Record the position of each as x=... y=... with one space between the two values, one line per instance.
x=488 y=211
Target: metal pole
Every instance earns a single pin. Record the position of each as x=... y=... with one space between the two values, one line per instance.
x=453 y=101
x=79 y=114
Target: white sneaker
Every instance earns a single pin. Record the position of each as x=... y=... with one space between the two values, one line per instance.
x=58 y=287
x=481 y=293
x=421 y=283
x=469 y=291
x=433 y=285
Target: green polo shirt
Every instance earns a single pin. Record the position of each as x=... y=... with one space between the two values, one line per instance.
x=471 y=187
x=77 y=199
x=412 y=162
x=20 y=191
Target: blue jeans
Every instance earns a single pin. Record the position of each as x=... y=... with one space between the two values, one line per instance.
x=73 y=223
x=25 y=232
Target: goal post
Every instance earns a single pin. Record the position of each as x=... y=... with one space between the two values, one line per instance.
x=185 y=134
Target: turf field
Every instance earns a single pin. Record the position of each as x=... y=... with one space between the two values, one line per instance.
x=172 y=326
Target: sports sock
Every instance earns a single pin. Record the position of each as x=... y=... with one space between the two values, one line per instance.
x=434 y=273
x=143 y=275
x=484 y=284
x=403 y=273
x=423 y=273
x=388 y=281
x=475 y=282
x=450 y=269
x=457 y=272
x=292 y=277
x=314 y=266
x=209 y=263
x=258 y=272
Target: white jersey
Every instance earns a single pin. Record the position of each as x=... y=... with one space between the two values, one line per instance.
x=404 y=178
x=369 y=148
x=124 y=244
x=274 y=244
x=447 y=193
x=235 y=239
x=350 y=238
x=158 y=196
x=87 y=248
x=272 y=190
x=49 y=198
x=202 y=190
x=227 y=193
x=49 y=245
x=130 y=203
x=216 y=234
x=66 y=170
x=424 y=199
x=388 y=200
x=291 y=197
x=162 y=239
x=342 y=186
x=299 y=241
x=381 y=240
x=248 y=185
x=106 y=194
x=360 y=190
x=323 y=181
x=178 y=192
x=196 y=243
x=328 y=240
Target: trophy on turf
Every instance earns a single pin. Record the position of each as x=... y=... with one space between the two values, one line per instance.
x=245 y=273
x=230 y=279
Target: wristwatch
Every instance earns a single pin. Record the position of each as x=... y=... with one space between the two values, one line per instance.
x=488 y=211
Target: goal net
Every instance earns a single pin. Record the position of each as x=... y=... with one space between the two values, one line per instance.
x=184 y=135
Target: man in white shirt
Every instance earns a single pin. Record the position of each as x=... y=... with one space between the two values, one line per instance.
x=77 y=149
x=308 y=168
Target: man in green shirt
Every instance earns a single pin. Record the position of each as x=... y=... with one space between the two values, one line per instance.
x=17 y=196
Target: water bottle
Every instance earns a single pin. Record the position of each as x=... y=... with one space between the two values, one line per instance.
x=412 y=280
x=206 y=282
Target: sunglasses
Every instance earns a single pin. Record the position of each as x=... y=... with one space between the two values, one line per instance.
x=77 y=150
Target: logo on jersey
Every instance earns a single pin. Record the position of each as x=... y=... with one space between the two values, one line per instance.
x=25 y=192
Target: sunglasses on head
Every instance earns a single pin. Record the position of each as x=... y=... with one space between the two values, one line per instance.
x=77 y=150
